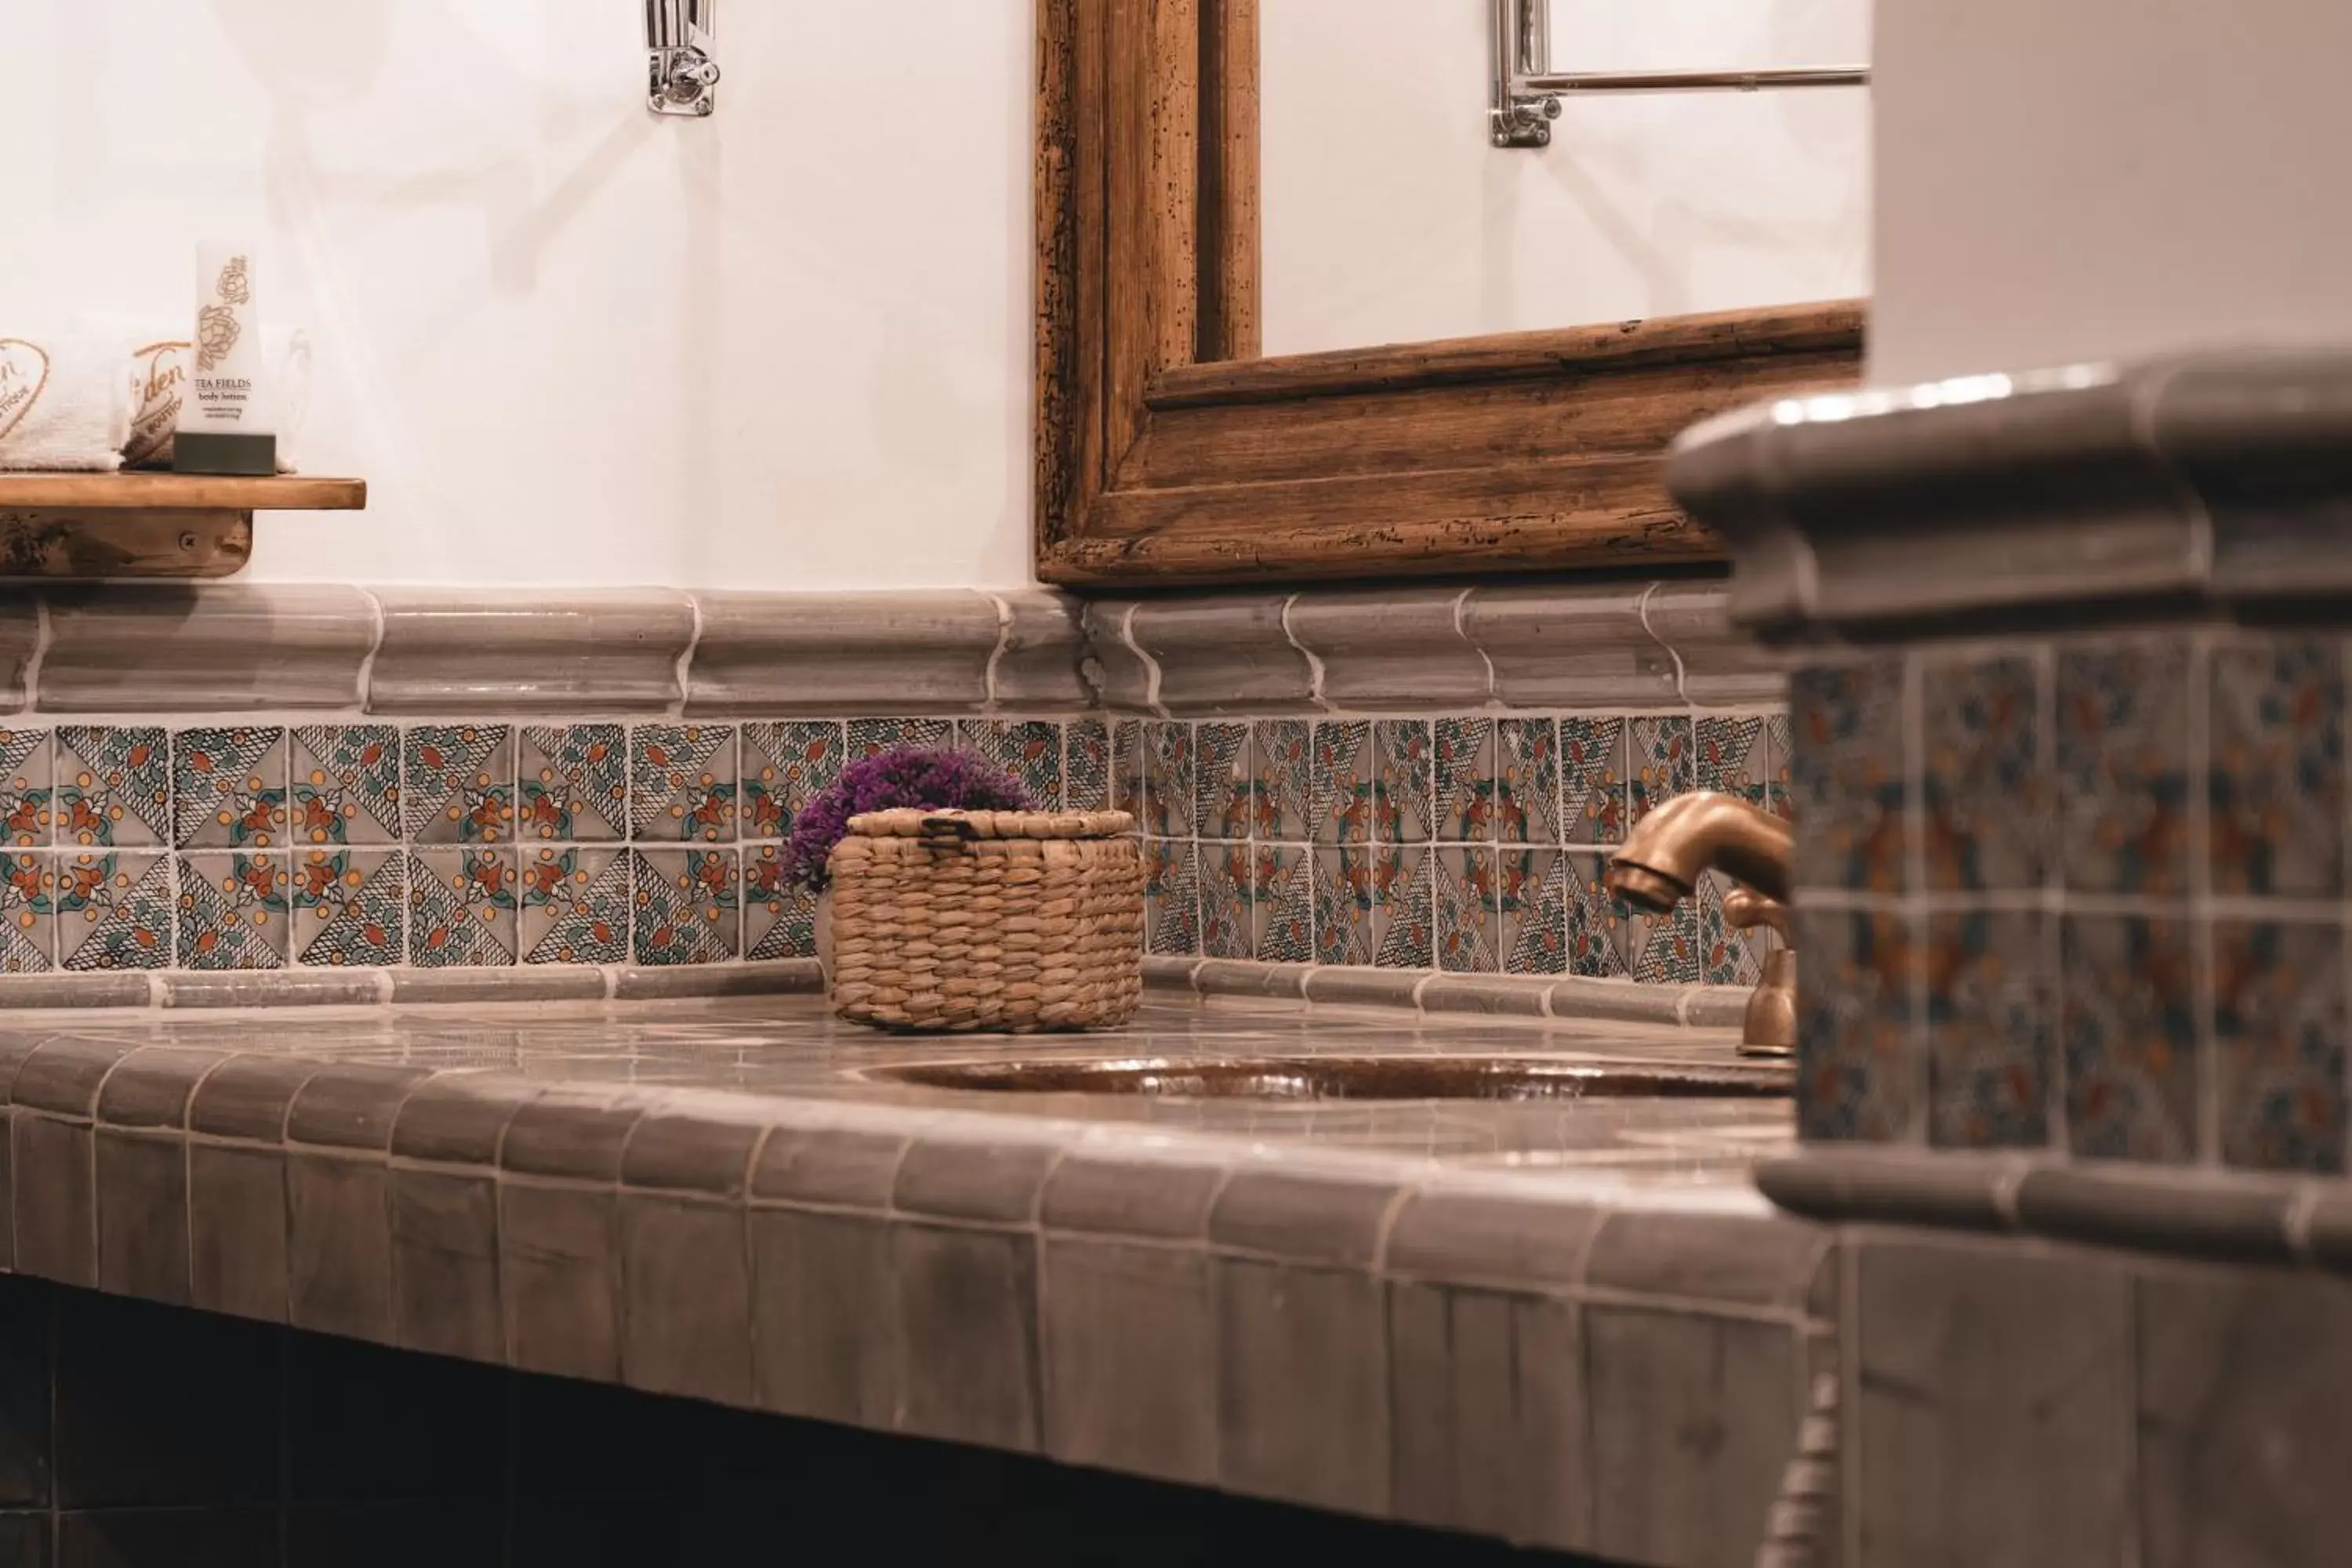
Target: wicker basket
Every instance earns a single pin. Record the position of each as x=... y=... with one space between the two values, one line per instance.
x=1008 y=921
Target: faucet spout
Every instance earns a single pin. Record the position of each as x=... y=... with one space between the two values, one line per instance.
x=1691 y=833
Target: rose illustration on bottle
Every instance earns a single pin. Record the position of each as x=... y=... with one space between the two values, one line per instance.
x=217 y=335
x=233 y=287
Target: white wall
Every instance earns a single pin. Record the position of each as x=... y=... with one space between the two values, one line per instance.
x=568 y=343
x=2108 y=178
x=1389 y=218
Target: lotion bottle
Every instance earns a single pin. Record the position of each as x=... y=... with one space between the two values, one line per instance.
x=224 y=422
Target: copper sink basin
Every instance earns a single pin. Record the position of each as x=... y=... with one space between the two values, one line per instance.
x=1340 y=1078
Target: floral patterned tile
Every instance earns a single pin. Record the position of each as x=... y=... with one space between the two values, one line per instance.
x=1464 y=780
x=1531 y=909
x=27 y=787
x=1990 y=1002
x=2127 y=1016
x=2123 y=767
x=1282 y=767
x=1465 y=916
x=574 y=783
x=114 y=909
x=1344 y=807
x=1171 y=905
x=688 y=906
x=1847 y=776
x=1592 y=780
x=785 y=766
x=866 y=737
x=350 y=907
x=1660 y=756
x=1169 y=780
x=462 y=903
x=1404 y=802
x=1666 y=947
x=1599 y=928
x=1127 y=768
x=779 y=917
x=1527 y=781
x=1777 y=745
x=1228 y=899
x=228 y=787
x=459 y=784
x=1224 y=807
x=233 y=910
x=1028 y=749
x=113 y=785
x=1086 y=765
x=577 y=903
x=1728 y=754
x=1727 y=955
x=345 y=784
x=28 y=911
x=2279 y=1023
x=682 y=783
x=1346 y=902
x=2275 y=779
x=1283 y=913
x=1406 y=920
x=1984 y=783
x=1856 y=1072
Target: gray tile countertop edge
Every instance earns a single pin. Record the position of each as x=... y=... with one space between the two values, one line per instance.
x=110 y=649
x=1011 y=1280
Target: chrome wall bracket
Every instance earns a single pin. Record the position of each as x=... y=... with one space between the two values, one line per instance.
x=680 y=75
x=1526 y=95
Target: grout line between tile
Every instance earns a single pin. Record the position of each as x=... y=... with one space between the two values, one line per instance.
x=997 y=654
x=377 y=621
x=1151 y=665
x=1641 y=610
x=686 y=659
x=1313 y=660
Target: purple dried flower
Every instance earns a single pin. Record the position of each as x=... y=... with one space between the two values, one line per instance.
x=905 y=775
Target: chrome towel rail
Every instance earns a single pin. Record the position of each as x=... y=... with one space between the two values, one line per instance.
x=1526 y=91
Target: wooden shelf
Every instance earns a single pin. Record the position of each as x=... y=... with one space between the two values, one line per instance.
x=179 y=492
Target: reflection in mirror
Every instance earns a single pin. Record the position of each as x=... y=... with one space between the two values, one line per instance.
x=1389 y=217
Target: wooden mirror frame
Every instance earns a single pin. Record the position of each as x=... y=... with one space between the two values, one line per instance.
x=1169 y=452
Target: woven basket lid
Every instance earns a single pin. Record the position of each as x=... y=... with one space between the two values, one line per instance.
x=908 y=822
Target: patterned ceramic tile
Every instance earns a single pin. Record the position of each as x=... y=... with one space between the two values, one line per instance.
x=114 y=785
x=1127 y=768
x=1028 y=749
x=1728 y=754
x=1406 y=919
x=785 y=767
x=1464 y=789
x=1989 y=1026
x=1404 y=803
x=2123 y=767
x=459 y=784
x=345 y=784
x=114 y=909
x=1532 y=911
x=228 y=787
x=1984 y=783
x=28 y=911
x=1465 y=916
x=868 y=736
x=1667 y=946
x=1857 y=1079
x=1281 y=753
x=1171 y=905
x=233 y=910
x=461 y=907
x=1346 y=902
x=1727 y=955
x=1226 y=783
x=1776 y=744
x=1592 y=780
x=1344 y=808
x=1086 y=765
x=572 y=783
x=688 y=906
x=2278 y=1026
x=27 y=787
x=1527 y=781
x=779 y=917
x=1659 y=755
x=1284 y=910
x=2275 y=778
x=682 y=783
x=1170 y=781
x=1599 y=926
x=1227 y=899
x=350 y=907
x=1846 y=780
x=2127 y=1027
x=576 y=904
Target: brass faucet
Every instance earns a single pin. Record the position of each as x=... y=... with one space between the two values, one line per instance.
x=1674 y=846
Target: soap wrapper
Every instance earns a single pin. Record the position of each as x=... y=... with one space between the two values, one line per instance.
x=65 y=404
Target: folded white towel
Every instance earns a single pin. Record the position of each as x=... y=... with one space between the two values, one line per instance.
x=159 y=370
x=64 y=404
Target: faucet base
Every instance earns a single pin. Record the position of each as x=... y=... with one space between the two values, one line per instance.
x=1770 y=1025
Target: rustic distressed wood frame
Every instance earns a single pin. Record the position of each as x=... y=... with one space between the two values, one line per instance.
x=1168 y=451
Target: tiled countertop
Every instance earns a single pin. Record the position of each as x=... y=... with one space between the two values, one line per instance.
x=1571 y=1323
